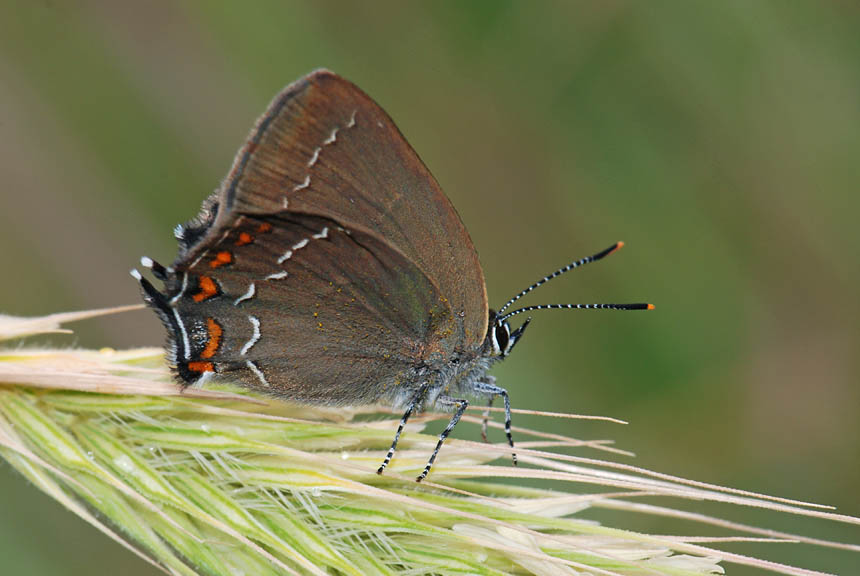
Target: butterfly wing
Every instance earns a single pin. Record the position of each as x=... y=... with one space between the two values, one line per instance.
x=300 y=306
x=324 y=147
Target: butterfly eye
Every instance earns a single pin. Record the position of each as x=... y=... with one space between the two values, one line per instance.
x=502 y=334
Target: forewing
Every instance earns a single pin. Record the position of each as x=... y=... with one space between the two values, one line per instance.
x=304 y=307
x=324 y=147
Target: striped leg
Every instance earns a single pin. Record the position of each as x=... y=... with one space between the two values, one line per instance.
x=458 y=413
x=486 y=419
x=416 y=400
x=488 y=386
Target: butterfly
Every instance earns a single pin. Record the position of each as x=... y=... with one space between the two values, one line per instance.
x=330 y=268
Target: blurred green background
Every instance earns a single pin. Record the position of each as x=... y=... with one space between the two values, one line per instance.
x=720 y=140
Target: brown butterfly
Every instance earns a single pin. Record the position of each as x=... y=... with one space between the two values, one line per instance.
x=330 y=268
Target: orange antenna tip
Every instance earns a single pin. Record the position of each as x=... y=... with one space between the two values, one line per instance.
x=650 y=306
x=615 y=248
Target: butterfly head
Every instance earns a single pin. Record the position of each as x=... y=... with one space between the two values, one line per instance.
x=500 y=339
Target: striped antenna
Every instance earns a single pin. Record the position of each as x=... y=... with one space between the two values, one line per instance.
x=559 y=272
x=637 y=306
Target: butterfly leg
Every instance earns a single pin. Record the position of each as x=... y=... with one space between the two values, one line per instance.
x=416 y=400
x=461 y=406
x=486 y=419
x=487 y=385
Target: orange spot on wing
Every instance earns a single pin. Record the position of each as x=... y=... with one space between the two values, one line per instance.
x=201 y=367
x=221 y=258
x=215 y=331
x=244 y=238
x=264 y=227
x=208 y=289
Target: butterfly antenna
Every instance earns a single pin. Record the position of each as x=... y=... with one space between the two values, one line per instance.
x=560 y=271
x=637 y=306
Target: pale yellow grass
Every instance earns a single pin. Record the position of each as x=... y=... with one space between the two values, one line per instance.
x=216 y=481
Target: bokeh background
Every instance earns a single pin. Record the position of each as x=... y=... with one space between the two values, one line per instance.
x=720 y=140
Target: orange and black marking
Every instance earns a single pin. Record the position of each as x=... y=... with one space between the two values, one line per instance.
x=222 y=258
x=214 y=330
x=191 y=371
x=244 y=239
x=208 y=289
x=200 y=367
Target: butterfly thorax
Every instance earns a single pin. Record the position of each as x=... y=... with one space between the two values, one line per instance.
x=463 y=372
